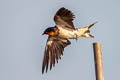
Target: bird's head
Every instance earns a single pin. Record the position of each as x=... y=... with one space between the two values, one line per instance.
x=52 y=31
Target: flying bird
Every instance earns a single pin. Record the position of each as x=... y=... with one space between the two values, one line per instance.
x=58 y=37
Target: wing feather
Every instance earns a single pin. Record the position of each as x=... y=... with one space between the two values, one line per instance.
x=53 y=51
x=64 y=17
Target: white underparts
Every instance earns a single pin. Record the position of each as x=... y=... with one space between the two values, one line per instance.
x=73 y=34
x=65 y=33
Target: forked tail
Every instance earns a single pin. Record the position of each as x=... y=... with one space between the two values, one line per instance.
x=85 y=32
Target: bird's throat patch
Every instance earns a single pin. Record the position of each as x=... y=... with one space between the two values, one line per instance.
x=51 y=33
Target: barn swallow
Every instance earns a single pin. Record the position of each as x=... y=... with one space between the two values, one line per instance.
x=59 y=35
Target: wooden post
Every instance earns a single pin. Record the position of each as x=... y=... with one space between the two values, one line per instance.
x=98 y=61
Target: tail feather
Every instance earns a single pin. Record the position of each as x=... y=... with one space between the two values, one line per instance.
x=85 y=31
x=89 y=26
x=87 y=35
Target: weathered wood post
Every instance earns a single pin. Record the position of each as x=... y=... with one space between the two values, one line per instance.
x=98 y=61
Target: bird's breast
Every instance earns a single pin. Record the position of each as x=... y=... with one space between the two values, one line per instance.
x=66 y=33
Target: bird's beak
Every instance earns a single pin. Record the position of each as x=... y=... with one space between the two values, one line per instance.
x=42 y=33
x=45 y=33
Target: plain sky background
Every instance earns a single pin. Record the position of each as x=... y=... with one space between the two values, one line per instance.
x=22 y=46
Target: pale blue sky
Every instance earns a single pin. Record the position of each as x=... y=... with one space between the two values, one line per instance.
x=21 y=44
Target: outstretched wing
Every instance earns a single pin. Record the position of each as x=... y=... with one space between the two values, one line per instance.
x=53 y=51
x=64 y=17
